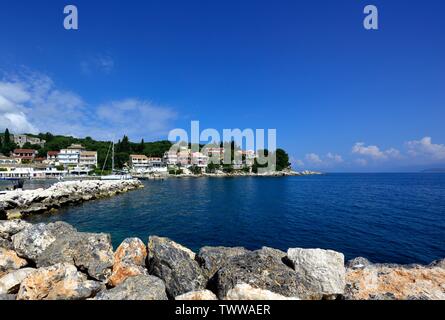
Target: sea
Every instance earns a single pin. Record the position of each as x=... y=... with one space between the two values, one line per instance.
x=387 y=217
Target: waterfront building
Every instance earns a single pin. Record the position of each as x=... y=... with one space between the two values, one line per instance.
x=24 y=155
x=51 y=157
x=138 y=161
x=22 y=139
x=155 y=162
x=8 y=161
x=171 y=158
x=199 y=159
x=39 y=160
x=31 y=173
x=88 y=159
x=215 y=154
x=184 y=157
x=249 y=157
x=70 y=156
x=141 y=163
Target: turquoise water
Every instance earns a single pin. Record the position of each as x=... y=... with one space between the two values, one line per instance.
x=397 y=218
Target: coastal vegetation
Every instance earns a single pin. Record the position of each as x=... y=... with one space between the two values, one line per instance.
x=124 y=148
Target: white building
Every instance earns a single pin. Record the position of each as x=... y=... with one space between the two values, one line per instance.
x=31 y=173
x=141 y=164
x=71 y=155
x=51 y=157
x=199 y=159
x=171 y=158
x=8 y=161
x=139 y=161
x=184 y=157
x=88 y=159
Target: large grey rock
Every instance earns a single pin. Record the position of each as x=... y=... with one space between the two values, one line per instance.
x=358 y=263
x=7 y=297
x=90 y=252
x=244 y=291
x=32 y=241
x=141 y=287
x=59 y=282
x=213 y=258
x=10 y=283
x=261 y=269
x=8 y=228
x=197 y=295
x=10 y=261
x=322 y=272
x=6 y=244
x=175 y=265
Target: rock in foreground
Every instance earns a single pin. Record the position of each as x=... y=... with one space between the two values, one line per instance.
x=197 y=295
x=90 y=252
x=129 y=261
x=393 y=282
x=142 y=287
x=322 y=272
x=261 y=269
x=58 y=282
x=244 y=291
x=175 y=265
x=55 y=261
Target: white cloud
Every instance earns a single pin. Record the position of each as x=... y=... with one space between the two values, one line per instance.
x=334 y=158
x=297 y=162
x=313 y=158
x=32 y=103
x=374 y=152
x=12 y=110
x=328 y=161
x=135 y=116
x=426 y=148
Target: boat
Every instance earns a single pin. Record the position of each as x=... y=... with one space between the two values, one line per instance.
x=115 y=175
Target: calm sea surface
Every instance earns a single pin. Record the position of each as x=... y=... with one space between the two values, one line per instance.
x=396 y=218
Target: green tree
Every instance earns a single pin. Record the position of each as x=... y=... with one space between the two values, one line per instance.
x=212 y=167
x=282 y=159
x=125 y=145
x=7 y=137
x=228 y=168
x=195 y=169
x=8 y=145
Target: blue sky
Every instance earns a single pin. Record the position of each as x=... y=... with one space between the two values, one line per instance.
x=341 y=98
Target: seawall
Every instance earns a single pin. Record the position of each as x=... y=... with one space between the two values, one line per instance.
x=20 y=203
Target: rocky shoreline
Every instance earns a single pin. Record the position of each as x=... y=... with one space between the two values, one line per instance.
x=284 y=173
x=20 y=203
x=56 y=262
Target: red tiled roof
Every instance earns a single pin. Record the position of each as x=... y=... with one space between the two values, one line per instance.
x=24 y=151
x=53 y=153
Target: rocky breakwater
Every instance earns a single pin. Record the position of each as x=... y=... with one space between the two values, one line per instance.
x=56 y=262
x=20 y=203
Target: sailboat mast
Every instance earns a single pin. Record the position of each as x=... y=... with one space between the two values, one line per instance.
x=112 y=159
